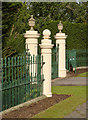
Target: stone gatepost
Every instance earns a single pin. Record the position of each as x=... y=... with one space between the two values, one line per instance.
x=32 y=38
x=46 y=47
x=60 y=39
x=32 y=43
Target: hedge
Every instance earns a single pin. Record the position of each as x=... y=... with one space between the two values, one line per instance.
x=77 y=33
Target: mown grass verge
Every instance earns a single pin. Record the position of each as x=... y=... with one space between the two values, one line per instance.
x=66 y=106
x=83 y=75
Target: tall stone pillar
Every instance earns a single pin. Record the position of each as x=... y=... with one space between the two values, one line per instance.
x=46 y=47
x=32 y=43
x=60 y=39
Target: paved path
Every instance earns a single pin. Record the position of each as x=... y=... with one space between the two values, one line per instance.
x=71 y=81
x=81 y=110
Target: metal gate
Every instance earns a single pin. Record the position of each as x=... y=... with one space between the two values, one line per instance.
x=19 y=82
x=55 y=61
x=71 y=60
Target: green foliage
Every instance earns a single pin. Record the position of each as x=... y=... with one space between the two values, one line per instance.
x=77 y=33
x=14 y=28
x=47 y=15
x=60 y=11
x=8 y=12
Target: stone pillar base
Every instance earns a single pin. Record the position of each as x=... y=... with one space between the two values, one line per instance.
x=62 y=73
x=48 y=94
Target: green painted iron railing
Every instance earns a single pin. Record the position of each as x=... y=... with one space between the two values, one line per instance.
x=20 y=81
x=55 y=60
x=71 y=60
x=81 y=58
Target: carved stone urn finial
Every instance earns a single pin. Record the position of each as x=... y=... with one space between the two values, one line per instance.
x=31 y=22
x=60 y=27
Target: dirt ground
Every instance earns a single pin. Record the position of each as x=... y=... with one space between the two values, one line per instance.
x=35 y=108
x=78 y=71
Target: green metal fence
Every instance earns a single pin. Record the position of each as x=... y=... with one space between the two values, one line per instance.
x=55 y=60
x=71 y=60
x=80 y=58
x=20 y=81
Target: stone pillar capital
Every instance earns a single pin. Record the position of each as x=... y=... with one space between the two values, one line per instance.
x=60 y=36
x=31 y=34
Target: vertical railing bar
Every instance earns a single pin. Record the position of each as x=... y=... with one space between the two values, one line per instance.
x=38 y=76
x=22 y=79
x=9 y=82
x=5 y=69
x=29 y=67
x=23 y=66
x=58 y=60
x=26 y=77
x=5 y=83
x=42 y=76
x=2 y=71
x=26 y=66
x=31 y=76
x=15 y=80
x=23 y=87
x=18 y=80
x=18 y=70
x=12 y=71
x=53 y=63
x=40 y=57
x=9 y=69
x=37 y=72
x=2 y=81
x=12 y=81
x=42 y=67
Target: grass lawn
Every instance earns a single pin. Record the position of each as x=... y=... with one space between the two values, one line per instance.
x=66 y=106
x=83 y=75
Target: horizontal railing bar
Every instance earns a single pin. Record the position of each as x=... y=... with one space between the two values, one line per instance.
x=22 y=84
x=20 y=65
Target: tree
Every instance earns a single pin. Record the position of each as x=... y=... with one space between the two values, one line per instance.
x=14 y=24
x=16 y=15
x=73 y=12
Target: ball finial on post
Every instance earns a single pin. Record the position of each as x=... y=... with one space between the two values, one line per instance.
x=46 y=34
